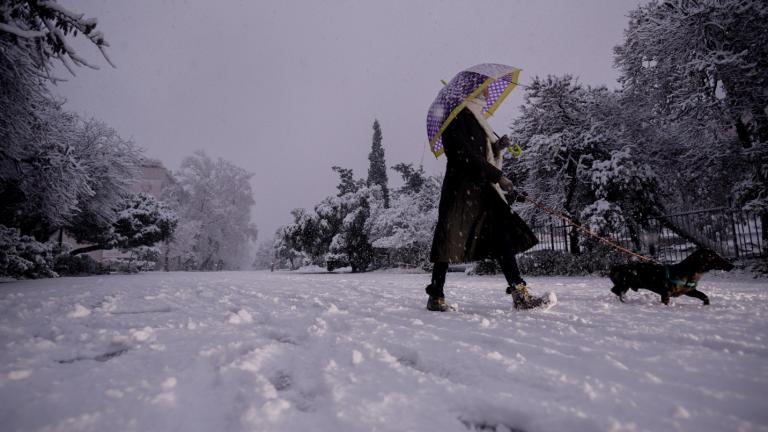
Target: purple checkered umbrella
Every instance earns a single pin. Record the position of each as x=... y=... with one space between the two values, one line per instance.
x=498 y=79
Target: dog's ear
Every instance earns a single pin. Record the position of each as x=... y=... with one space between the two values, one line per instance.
x=717 y=261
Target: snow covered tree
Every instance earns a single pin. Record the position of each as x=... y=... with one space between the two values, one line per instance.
x=626 y=193
x=377 y=169
x=705 y=61
x=111 y=164
x=336 y=232
x=264 y=257
x=556 y=132
x=351 y=244
x=700 y=70
x=578 y=160
x=404 y=230
x=216 y=194
x=179 y=252
x=311 y=232
x=41 y=180
x=143 y=221
x=287 y=246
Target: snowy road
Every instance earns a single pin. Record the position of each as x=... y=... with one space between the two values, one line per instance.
x=342 y=352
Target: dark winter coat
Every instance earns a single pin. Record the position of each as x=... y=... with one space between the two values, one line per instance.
x=474 y=222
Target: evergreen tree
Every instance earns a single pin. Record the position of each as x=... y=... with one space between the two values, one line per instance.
x=414 y=179
x=377 y=170
x=347 y=183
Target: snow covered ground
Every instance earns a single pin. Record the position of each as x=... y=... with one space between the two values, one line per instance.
x=342 y=352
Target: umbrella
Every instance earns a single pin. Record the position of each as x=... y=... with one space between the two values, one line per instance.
x=497 y=78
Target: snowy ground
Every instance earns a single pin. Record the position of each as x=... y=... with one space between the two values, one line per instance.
x=343 y=352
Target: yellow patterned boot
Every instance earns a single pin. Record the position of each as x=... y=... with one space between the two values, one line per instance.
x=522 y=299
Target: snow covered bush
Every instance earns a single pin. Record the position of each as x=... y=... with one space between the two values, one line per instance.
x=73 y=265
x=561 y=263
x=138 y=259
x=24 y=257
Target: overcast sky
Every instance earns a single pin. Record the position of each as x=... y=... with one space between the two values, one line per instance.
x=287 y=89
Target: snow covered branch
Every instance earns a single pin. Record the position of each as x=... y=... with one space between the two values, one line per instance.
x=42 y=29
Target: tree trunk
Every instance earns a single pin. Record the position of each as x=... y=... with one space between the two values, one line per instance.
x=764 y=228
x=574 y=246
x=167 y=251
x=87 y=249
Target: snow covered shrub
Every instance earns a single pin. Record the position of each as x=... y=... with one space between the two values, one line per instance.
x=597 y=260
x=550 y=263
x=484 y=267
x=24 y=257
x=72 y=265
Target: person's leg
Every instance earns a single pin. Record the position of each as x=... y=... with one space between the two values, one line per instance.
x=439 y=271
x=510 y=269
x=436 y=300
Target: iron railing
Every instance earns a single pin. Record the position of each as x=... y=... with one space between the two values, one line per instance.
x=733 y=233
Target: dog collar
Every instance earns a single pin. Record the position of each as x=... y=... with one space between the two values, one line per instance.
x=688 y=283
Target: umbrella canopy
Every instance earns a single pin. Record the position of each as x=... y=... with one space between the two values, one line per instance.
x=497 y=78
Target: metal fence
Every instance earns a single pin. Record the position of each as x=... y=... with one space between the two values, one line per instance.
x=733 y=233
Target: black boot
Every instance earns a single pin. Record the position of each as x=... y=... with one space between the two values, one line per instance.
x=436 y=301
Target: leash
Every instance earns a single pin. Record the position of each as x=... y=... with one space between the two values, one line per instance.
x=585 y=230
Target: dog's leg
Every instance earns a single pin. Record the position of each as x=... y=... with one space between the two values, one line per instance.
x=699 y=295
x=665 y=298
x=619 y=292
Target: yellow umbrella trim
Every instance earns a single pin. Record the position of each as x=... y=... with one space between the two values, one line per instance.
x=514 y=75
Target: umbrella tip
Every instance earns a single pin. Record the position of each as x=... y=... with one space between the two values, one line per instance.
x=444 y=83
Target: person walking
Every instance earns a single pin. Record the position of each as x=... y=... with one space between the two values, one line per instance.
x=475 y=220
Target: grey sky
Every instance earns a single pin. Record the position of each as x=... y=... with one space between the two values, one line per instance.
x=287 y=89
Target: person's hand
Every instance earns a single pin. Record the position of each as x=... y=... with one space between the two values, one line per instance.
x=506 y=184
x=501 y=144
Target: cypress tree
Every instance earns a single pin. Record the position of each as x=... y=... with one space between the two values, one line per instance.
x=377 y=170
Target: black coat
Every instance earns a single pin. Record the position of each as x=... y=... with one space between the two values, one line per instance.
x=474 y=222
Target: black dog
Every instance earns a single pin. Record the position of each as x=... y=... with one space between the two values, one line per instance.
x=668 y=280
